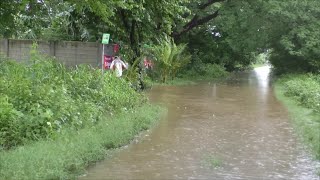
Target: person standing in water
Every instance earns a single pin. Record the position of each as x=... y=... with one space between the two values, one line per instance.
x=118 y=65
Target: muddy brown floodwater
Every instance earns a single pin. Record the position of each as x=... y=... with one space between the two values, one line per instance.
x=235 y=129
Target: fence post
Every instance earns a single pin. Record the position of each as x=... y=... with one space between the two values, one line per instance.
x=99 y=52
x=6 y=47
x=52 y=48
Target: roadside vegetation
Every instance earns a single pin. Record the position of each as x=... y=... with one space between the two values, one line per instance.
x=43 y=97
x=54 y=121
x=173 y=65
x=294 y=56
x=301 y=95
x=70 y=152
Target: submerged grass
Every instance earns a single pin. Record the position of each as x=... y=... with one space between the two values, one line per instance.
x=70 y=153
x=176 y=82
x=306 y=120
x=213 y=161
x=191 y=75
x=182 y=81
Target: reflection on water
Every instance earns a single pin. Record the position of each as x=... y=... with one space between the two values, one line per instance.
x=238 y=122
x=262 y=78
x=262 y=74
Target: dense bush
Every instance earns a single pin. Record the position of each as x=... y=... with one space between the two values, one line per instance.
x=198 y=69
x=205 y=71
x=40 y=98
x=283 y=62
x=305 y=89
x=211 y=48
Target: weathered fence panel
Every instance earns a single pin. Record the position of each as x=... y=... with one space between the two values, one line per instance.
x=70 y=53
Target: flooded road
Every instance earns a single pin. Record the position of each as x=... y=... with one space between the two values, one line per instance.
x=235 y=129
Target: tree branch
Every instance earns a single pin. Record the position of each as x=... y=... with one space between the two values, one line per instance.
x=195 y=22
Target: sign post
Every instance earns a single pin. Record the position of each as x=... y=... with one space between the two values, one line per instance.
x=105 y=40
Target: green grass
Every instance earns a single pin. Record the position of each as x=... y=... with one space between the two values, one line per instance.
x=71 y=152
x=306 y=120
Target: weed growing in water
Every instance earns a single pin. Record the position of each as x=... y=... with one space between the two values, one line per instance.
x=213 y=161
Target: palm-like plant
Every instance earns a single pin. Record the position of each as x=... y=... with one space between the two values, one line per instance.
x=169 y=58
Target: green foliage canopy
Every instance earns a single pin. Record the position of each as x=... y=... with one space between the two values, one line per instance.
x=296 y=35
x=235 y=30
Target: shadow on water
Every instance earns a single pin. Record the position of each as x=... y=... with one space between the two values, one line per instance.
x=234 y=129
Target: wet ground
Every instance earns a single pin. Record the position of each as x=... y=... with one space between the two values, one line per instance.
x=235 y=129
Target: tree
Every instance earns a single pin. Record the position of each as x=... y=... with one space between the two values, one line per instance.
x=295 y=35
x=131 y=22
x=8 y=10
x=201 y=12
x=231 y=37
x=233 y=30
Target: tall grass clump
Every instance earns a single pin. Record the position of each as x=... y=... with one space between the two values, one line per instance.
x=39 y=99
x=301 y=94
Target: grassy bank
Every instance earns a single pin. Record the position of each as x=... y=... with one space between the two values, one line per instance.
x=41 y=98
x=301 y=95
x=55 y=120
x=67 y=155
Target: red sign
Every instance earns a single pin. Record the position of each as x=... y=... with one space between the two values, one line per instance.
x=116 y=48
x=107 y=61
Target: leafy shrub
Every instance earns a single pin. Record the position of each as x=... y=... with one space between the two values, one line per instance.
x=9 y=118
x=38 y=99
x=213 y=70
x=206 y=71
x=203 y=70
x=305 y=89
